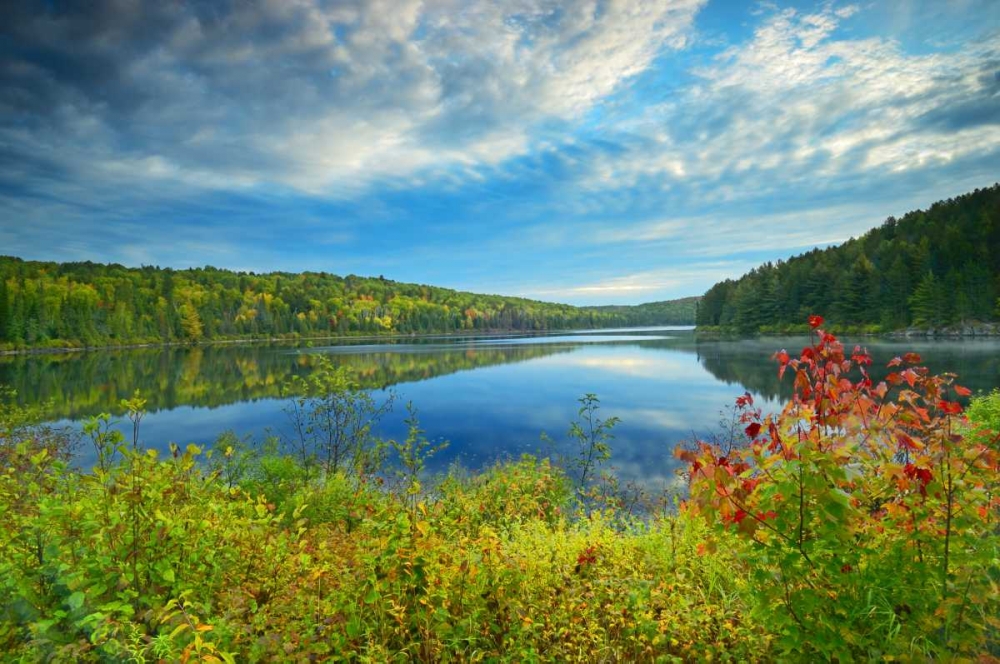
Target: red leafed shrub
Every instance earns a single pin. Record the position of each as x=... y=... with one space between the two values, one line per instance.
x=868 y=509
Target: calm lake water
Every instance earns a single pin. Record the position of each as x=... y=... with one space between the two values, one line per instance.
x=490 y=397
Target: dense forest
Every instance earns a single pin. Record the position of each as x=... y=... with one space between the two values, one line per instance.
x=668 y=312
x=46 y=304
x=931 y=269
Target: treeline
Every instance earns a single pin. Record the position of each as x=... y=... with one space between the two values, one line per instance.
x=668 y=312
x=932 y=268
x=45 y=304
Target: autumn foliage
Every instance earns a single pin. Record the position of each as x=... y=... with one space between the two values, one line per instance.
x=868 y=509
x=859 y=523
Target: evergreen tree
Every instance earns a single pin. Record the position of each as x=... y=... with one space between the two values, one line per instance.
x=927 y=303
x=933 y=267
x=4 y=310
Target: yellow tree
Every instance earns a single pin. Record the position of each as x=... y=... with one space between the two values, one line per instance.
x=190 y=321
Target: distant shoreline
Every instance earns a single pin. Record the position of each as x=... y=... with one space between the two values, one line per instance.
x=971 y=331
x=301 y=341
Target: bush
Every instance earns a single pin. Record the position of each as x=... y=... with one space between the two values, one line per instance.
x=869 y=510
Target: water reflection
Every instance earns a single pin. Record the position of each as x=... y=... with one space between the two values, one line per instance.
x=491 y=397
x=747 y=363
x=77 y=385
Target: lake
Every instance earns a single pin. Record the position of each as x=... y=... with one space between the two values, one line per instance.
x=491 y=397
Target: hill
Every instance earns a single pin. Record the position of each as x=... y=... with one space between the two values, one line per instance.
x=45 y=304
x=932 y=268
x=666 y=312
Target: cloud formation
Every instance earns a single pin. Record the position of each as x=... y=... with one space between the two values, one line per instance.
x=321 y=97
x=800 y=102
x=589 y=150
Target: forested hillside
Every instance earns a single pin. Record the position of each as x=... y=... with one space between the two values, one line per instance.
x=932 y=268
x=73 y=304
x=668 y=312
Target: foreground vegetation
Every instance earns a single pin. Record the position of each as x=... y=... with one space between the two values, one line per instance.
x=933 y=269
x=859 y=523
x=65 y=305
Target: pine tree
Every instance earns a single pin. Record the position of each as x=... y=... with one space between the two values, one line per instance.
x=4 y=310
x=927 y=304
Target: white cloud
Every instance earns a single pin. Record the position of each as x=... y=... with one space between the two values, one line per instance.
x=322 y=98
x=519 y=136
x=643 y=286
x=802 y=103
x=674 y=366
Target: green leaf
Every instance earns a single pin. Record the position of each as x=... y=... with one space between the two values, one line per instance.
x=353 y=628
x=75 y=601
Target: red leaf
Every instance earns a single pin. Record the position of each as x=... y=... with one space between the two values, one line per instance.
x=753 y=430
x=772 y=429
x=963 y=391
x=911 y=358
x=815 y=321
x=782 y=357
x=908 y=443
x=861 y=357
x=950 y=407
x=923 y=475
x=895 y=362
x=588 y=557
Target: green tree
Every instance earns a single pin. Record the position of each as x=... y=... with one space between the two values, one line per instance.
x=334 y=420
x=928 y=302
x=4 y=310
x=880 y=277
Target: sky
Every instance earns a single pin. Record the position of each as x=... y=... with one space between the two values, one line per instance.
x=591 y=152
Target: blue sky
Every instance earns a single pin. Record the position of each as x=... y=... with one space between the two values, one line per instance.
x=587 y=152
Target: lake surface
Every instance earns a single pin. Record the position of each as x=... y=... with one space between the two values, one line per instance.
x=491 y=397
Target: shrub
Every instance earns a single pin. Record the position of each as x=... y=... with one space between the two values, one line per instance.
x=869 y=510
